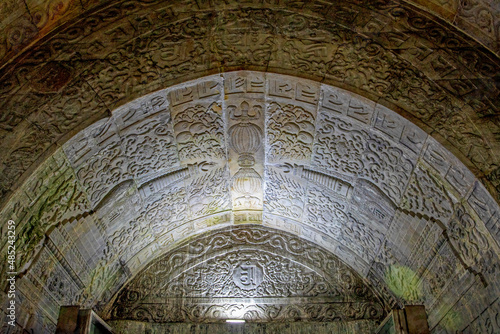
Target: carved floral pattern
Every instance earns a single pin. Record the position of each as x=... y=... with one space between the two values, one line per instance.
x=247 y=262
x=290 y=132
x=200 y=132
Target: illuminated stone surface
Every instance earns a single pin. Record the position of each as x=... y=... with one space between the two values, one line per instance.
x=388 y=157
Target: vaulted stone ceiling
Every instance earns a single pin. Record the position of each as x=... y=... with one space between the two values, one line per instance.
x=386 y=158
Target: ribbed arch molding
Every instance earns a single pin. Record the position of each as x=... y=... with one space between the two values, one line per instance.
x=305 y=158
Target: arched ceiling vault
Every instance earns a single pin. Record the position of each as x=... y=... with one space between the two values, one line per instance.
x=381 y=148
x=392 y=53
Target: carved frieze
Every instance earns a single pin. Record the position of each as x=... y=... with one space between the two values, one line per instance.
x=129 y=57
x=212 y=272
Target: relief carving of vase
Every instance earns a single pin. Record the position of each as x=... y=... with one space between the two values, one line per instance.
x=247 y=181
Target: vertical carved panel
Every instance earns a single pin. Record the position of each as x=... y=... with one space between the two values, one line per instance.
x=361 y=237
x=440 y=271
x=198 y=122
x=291 y=115
x=54 y=196
x=487 y=210
x=448 y=166
x=168 y=210
x=245 y=108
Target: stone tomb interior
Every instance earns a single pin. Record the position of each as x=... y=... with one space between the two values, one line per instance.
x=285 y=177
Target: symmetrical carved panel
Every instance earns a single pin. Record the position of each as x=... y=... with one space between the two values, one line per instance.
x=217 y=268
x=387 y=166
x=290 y=133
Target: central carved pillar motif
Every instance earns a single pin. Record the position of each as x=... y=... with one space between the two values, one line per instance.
x=245 y=106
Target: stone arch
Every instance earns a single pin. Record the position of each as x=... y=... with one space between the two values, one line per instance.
x=394 y=54
x=413 y=78
x=250 y=268
x=310 y=159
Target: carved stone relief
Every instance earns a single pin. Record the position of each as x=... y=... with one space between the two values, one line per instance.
x=290 y=133
x=245 y=118
x=220 y=267
x=149 y=146
x=467 y=236
x=284 y=194
x=200 y=132
x=426 y=195
x=324 y=213
x=388 y=49
x=322 y=163
x=209 y=193
x=339 y=145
